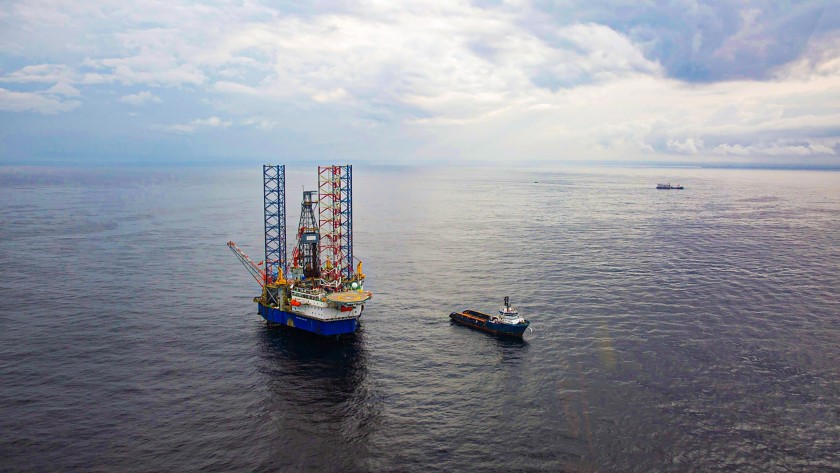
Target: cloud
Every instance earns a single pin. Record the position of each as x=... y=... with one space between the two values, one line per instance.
x=746 y=146
x=211 y=122
x=140 y=98
x=546 y=80
x=820 y=59
x=234 y=88
x=689 y=146
x=702 y=41
x=149 y=69
x=260 y=123
x=391 y=53
x=775 y=149
x=34 y=102
x=43 y=73
x=61 y=88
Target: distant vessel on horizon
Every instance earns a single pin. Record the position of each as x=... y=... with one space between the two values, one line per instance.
x=669 y=186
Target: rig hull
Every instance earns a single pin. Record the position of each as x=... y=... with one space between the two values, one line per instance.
x=301 y=322
x=481 y=321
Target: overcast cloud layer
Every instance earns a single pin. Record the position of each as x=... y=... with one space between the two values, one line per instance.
x=448 y=81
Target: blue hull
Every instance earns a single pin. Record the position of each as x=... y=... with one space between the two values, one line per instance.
x=308 y=324
x=488 y=326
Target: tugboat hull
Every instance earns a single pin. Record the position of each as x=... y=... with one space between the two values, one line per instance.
x=482 y=322
x=308 y=324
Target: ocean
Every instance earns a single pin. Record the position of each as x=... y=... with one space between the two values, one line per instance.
x=672 y=331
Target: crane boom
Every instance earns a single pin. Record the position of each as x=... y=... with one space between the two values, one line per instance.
x=252 y=267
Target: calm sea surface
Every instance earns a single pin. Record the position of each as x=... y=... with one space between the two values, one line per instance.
x=694 y=330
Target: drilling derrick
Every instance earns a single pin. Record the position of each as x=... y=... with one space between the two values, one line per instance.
x=336 y=220
x=306 y=259
x=274 y=204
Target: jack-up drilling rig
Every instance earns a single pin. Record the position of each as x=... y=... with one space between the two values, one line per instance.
x=318 y=291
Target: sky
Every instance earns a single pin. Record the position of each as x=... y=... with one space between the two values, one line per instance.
x=429 y=82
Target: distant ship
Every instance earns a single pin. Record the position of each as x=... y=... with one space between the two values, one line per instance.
x=508 y=322
x=669 y=186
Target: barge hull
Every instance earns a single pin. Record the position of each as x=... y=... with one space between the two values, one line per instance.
x=308 y=324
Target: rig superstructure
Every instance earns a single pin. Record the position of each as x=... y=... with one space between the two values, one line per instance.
x=318 y=290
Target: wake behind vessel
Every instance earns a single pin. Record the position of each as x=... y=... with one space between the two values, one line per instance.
x=508 y=322
x=318 y=290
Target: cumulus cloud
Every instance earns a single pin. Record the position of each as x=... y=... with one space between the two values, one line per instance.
x=689 y=146
x=199 y=123
x=140 y=98
x=43 y=73
x=548 y=81
x=819 y=59
x=64 y=89
x=235 y=88
x=703 y=41
x=153 y=70
x=34 y=102
x=260 y=123
x=774 y=149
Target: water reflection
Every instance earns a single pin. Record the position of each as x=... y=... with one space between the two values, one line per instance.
x=318 y=404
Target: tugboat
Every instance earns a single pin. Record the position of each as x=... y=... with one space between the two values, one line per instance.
x=669 y=187
x=508 y=322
